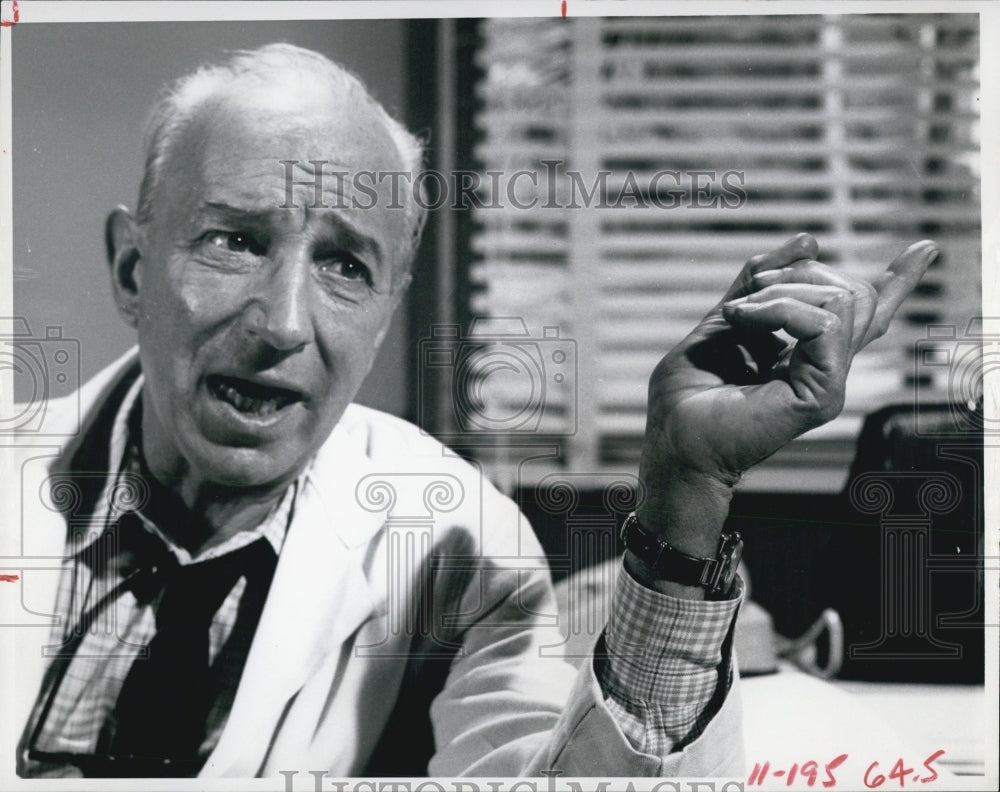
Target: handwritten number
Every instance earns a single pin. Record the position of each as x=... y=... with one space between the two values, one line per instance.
x=877 y=780
x=872 y=778
x=927 y=764
x=900 y=771
x=830 y=767
x=759 y=773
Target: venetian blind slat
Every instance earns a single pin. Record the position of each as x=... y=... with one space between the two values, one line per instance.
x=862 y=130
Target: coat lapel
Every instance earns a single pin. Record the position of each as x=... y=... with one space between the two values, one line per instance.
x=42 y=523
x=319 y=597
x=33 y=609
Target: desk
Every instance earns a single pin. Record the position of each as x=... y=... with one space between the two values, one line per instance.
x=931 y=717
x=791 y=717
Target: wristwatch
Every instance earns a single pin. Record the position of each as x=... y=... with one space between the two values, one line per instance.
x=715 y=575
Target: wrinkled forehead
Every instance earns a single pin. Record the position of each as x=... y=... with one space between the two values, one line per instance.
x=239 y=144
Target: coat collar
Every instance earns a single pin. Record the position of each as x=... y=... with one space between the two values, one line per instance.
x=320 y=595
x=341 y=462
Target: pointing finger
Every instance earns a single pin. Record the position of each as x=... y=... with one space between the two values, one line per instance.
x=897 y=282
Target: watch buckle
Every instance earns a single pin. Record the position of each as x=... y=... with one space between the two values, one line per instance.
x=719 y=572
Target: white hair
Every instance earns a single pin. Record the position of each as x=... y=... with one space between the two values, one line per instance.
x=178 y=105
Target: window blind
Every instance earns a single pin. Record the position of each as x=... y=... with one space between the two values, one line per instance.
x=861 y=130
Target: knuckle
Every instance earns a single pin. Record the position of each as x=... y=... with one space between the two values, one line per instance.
x=841 y=298
x=830 y=323
x=825 y=408
x=832 y=407
x=756 y=262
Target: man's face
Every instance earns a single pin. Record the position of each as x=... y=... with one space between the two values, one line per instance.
x=258 y=323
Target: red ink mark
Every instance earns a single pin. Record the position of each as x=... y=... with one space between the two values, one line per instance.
x=830 y=767
x=759 y=773
x=563 y=7
x=16 y=15
x=900 y=771
x=9 y=578
x=927 y=764
x=808 y=771
x=873 y=781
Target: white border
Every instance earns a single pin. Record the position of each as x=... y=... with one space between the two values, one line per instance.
x=40 y=11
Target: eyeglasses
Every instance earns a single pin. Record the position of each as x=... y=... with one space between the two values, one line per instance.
x=118 y=765
x=98 y=765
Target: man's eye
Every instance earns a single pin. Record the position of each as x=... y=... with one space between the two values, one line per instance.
x=345 y=266
x=236 y=242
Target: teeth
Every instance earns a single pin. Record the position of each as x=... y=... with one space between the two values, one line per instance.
x=258 y=407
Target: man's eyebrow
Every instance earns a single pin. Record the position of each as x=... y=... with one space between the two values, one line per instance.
x=234 y=215
x=347 y=233
x=352 y=238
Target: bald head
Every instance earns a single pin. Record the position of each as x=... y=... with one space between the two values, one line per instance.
x=291 y=89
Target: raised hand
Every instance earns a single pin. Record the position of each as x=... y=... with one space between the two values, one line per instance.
x=732 y=392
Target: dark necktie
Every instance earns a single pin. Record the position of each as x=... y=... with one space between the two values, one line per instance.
x=166 y=698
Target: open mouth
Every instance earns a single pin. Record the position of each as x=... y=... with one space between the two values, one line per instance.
x=251 y=398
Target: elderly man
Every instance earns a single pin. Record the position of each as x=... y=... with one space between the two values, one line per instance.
x=231 y=511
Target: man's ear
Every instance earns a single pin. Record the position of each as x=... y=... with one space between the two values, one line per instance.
x=121 y=241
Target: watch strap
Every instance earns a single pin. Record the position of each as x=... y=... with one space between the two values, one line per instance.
x=715 y=575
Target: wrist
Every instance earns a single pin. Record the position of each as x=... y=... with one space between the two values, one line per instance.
x=658 y=565
x=687 y=511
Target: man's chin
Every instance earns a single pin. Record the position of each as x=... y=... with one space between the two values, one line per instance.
x=250 y=468
x=232 y=451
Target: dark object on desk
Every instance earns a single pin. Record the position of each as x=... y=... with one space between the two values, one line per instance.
x=909 y=548
x=905 y=577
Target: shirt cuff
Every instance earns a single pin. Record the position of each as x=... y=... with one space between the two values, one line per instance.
x=665 y=662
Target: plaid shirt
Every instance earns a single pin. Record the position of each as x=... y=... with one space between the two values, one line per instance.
x=95 y=571
x=663 y=677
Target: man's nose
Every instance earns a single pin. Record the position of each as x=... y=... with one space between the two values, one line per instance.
x=281 y=313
